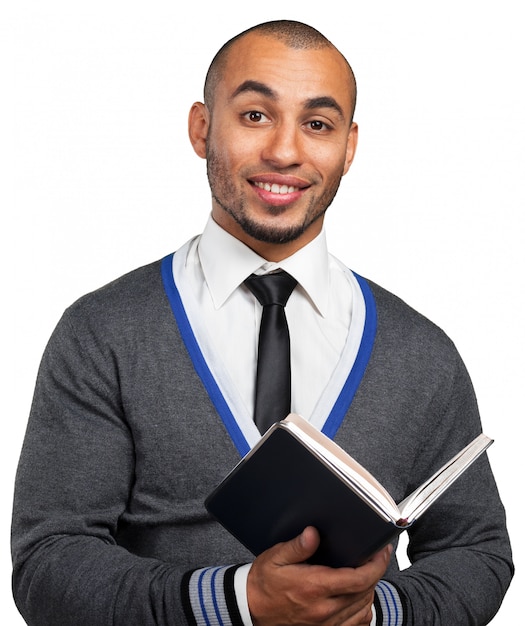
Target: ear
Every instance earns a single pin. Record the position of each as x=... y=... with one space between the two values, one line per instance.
x=351 y=147
x=198 y=125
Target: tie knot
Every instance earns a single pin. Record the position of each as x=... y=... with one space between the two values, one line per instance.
x=271 y=288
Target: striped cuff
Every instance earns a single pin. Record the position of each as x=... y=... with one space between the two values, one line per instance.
x=208 y=597
x=388 y=605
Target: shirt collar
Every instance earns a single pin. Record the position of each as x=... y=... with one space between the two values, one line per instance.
x=226 y=262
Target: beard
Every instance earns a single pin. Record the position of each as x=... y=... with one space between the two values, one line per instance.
x=235 y=203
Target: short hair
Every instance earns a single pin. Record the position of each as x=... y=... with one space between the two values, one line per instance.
x=292 y=33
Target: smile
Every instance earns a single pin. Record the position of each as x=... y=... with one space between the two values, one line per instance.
x=275 y=188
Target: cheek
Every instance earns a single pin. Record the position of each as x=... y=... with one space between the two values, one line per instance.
x=329 y=158
x=235 y=145
x=229 y=151
x=333 y=166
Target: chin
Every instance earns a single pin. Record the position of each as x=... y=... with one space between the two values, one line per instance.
x=276 y=232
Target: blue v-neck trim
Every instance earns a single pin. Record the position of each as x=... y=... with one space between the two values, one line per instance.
x=344 y=399
x=197 y=357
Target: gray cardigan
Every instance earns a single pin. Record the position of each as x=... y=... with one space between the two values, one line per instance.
x=124 y=443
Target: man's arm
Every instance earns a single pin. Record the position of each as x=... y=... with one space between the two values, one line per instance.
x=461 y=562
x=76 y=479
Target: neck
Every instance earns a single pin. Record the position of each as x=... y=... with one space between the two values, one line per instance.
x=273 y=252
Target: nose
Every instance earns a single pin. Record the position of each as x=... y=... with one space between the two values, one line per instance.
x=283 y=147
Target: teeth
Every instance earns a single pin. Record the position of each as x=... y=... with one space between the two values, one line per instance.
x=275 y=188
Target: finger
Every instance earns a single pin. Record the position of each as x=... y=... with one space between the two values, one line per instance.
x=370 y=573
x=297 y=550
x=346 y=580
x=380 y=560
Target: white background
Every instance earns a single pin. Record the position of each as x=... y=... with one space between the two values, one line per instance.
x=98 y=177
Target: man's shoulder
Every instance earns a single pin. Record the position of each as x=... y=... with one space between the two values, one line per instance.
x=130 y=296
x=393 y=303
x=407 y=329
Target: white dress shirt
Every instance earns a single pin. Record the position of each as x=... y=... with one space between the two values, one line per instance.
x=225 y=317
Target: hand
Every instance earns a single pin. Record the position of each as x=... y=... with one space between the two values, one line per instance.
x=283 y=589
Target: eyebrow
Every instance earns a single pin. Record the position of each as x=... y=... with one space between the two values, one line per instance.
x=324 y=102
x=257 y=87
x=319 y=102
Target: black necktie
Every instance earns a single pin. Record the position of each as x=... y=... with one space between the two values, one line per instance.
x=272 y=393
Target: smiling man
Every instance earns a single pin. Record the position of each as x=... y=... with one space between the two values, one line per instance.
x=148 y=393
x=277 y=133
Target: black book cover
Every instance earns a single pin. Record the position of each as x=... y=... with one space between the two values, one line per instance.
x=280 y=488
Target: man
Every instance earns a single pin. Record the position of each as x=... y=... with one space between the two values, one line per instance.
x=146 y=394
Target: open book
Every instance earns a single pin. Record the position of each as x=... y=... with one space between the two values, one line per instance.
x=296 y=476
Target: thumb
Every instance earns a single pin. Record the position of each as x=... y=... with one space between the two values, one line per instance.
x=300 y=548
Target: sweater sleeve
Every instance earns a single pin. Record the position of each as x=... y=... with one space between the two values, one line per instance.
x=75 y=478
x=461 y=562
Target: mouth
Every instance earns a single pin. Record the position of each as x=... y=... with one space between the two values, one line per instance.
x=275 y=188
x=278 y=190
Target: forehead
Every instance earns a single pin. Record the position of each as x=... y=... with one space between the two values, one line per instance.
x=293 y=74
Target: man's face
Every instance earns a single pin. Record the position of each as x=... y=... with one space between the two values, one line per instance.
x=277 y=142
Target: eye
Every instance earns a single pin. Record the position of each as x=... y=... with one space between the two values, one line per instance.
x=255 y=116
x=318 y=126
